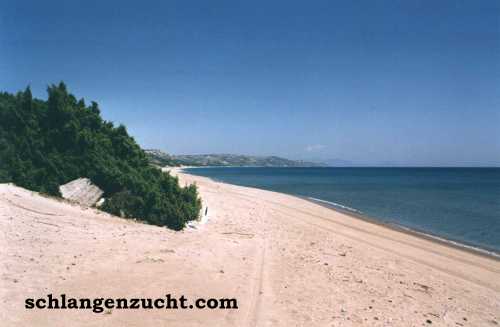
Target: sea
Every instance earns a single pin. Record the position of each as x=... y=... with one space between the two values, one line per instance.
x=456 y=205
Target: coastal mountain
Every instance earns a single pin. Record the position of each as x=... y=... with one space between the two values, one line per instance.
x=161 y=158
x=45 y=144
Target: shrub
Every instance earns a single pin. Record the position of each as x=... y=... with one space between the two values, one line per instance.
x=47 y=143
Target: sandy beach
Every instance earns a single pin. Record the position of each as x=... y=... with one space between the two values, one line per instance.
x=288 y=262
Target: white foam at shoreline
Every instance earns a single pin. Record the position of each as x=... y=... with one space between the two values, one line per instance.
x=458 y=244
x=441 y=239
x=336 y=204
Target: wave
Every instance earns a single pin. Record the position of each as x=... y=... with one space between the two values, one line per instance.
x=336 y=205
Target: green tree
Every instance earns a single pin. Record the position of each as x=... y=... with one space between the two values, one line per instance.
x=47 y=143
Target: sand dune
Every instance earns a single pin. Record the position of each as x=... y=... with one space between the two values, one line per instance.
x=289 y=262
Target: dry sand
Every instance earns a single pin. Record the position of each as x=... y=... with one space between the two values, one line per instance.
x=288 y=261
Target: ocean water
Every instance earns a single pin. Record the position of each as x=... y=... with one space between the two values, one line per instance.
x=458 y=204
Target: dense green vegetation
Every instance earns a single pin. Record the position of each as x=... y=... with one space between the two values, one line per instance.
x=44 y=144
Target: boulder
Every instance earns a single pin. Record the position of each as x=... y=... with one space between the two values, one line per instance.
x=81 y=191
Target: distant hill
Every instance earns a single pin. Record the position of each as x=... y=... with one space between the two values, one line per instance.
x=161 y=158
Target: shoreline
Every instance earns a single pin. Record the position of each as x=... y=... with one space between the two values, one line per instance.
x=487 y=253
x=429 y=236
x=287 y=260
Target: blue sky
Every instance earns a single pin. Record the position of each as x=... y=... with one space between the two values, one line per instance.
x=373 y=82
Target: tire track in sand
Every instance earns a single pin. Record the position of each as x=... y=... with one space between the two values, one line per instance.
x=252 y=316
x=330 y=223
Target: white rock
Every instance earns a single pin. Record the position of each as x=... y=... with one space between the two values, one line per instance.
x=81 y=191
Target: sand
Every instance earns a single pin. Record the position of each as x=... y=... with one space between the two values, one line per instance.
x=289 y=262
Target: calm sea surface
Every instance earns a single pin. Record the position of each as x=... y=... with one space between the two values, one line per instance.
x=459 y=204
